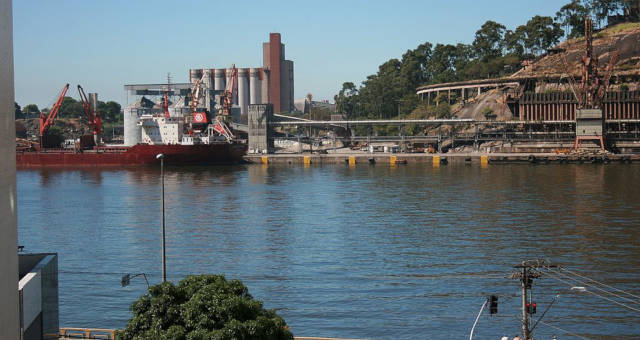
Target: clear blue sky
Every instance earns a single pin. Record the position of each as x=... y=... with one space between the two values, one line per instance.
x=103 y=45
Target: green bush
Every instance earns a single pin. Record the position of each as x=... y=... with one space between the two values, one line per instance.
x=202 y=307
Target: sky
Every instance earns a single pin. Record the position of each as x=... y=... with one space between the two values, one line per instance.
x=103 y=45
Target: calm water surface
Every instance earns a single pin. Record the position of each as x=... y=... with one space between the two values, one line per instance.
x=369 y=252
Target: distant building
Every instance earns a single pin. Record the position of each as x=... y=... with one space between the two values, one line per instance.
x=304 y=105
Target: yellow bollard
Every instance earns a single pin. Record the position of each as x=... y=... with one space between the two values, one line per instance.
x=436 y=160
x=307 y=160
x=265 y=160
x=352 y=161
x=392 y=160
x=484 y=161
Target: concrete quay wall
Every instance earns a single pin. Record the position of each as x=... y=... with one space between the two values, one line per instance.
x=445 y=158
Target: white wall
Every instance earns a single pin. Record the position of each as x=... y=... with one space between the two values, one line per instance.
x=9 y=309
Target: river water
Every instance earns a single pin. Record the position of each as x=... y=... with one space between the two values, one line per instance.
x=367 y=252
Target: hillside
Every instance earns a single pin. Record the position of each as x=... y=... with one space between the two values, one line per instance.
x=624 y=38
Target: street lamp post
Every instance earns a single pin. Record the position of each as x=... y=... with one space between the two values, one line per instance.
x=164 y=259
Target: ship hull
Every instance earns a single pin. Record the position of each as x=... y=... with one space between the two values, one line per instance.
x=137 y=155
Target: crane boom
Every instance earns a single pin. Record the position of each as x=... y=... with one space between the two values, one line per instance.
x=95 y=122
x=47 y=121
x=227 y=96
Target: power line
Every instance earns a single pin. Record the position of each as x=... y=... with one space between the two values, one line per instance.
x=563 y=330
x=596 y=294
x=600 y=283
x=598 y=288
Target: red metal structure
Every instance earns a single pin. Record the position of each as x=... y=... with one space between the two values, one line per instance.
x=227 y=96
x=165 y=104
x=95 y=122
x=47 y=122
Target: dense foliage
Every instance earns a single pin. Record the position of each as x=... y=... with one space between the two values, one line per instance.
x=495 y=51
x=71 y=108
x=202 y=307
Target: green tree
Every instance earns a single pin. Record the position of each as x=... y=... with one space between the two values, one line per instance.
x=601 y=9
x=541 y=33
x=70 y=108
x=30 y=110
x=489 y=41
x=17 y=110
x=571 y=16
x=202 y=307
x=110 y=111
x=347 y=100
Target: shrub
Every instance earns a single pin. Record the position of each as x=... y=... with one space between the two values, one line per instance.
x=202 y=307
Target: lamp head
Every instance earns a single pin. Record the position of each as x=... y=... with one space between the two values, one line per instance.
x=160 y=156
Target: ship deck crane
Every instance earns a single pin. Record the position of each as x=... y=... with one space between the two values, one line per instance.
x=95 y=122
x=47 y=121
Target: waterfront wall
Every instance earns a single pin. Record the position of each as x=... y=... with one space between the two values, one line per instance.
x=9 y=309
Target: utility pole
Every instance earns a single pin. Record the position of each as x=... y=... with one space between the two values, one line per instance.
x=525 y=313
x=527 y=271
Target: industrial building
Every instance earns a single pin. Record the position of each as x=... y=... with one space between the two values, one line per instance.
x=270 y=84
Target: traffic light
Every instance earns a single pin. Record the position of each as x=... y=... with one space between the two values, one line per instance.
x=493 y=304
x=531 y=307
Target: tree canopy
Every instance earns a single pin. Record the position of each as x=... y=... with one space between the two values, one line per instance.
x=495 y=51
x=202 y=307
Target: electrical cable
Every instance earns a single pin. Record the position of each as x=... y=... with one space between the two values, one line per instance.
x=596 y=294
x=564 y=330
x=598 y=288
x=600 y=283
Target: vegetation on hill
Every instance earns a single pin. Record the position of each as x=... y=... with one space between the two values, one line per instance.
x=495 y=51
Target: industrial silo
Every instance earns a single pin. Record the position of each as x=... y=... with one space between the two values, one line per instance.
x=219 y=81
x=132 y=113
x=194 y=75
x=265 y=87
x=255 y=86
x=243 y=90
x=207 y=81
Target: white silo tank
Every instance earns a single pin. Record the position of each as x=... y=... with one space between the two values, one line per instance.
x=218 y=82
x=265 y=87
x=255 y=86
x=132 y=132
x=243 y=90
x=207 y=81
x=194 y=74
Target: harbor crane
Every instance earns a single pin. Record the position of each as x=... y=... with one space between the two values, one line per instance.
x=47 y=121
x=93 y=117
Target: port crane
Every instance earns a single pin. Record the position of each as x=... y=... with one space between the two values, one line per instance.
x=219 y=125
x=47 y=121
x=227 y=96
x=93 y=117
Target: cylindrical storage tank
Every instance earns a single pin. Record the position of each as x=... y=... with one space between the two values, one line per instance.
x=255 y=86
x=207 y=82
x=132 y=132
x=194 y=74
x=219 y=81
x=235 y=95
x=243 y=90
x=265 y=87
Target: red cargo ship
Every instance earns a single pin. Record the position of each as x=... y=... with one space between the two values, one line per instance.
x=141 y=154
